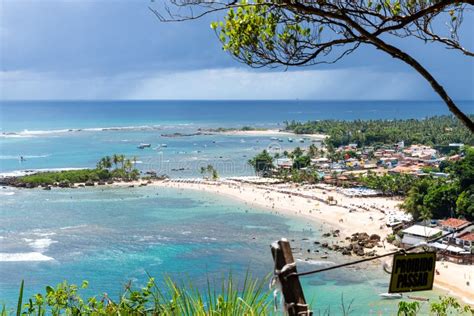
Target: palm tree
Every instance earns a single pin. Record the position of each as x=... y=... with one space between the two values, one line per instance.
x=203 y=171
x=106 y=162
x=127 y=165
x=115 y=159
x=313 y=151
x=122 y=160
x=134 y=162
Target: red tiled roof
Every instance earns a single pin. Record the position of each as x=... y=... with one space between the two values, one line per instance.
x=467 y=236
x=453 y=222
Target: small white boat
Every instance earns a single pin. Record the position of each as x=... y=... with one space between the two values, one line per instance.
x=290 y=139
x=301 y=140
x=164 y=145
x=273 y=138
x=142 y=146
x=391 y=296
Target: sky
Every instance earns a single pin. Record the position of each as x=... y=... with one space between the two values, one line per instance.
x=117 y=49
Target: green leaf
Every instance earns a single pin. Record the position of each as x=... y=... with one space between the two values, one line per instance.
x=20 y=299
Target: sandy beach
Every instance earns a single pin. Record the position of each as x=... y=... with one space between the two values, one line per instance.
x=275 y=133
x=327 y=218
x=350 y=215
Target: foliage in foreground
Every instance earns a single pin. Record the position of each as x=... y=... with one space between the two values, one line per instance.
x=445 y=306
x=249 y=298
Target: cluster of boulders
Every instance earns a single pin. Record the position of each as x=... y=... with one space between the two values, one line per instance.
x=358 y=243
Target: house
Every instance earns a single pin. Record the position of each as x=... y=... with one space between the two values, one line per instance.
x=453 y=224
x=418 y=234
x=451 y=253
x=466 y=240
x=284 y=163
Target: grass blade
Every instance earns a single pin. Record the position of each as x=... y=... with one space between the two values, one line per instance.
x=20 y=299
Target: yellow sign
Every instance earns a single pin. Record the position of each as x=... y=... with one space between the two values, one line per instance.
x=412 y=272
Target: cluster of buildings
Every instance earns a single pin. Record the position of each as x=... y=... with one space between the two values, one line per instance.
x=457 y=244
x=413 y=159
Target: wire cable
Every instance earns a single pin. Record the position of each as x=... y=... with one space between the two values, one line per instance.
x=376 y=257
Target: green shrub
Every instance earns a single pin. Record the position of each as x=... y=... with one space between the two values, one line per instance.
x=249 y=298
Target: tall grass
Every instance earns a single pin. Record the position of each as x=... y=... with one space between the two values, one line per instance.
x=228 y=298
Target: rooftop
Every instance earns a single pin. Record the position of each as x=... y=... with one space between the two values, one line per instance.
x=468 y=236
x=453 y=222
x=423 y=231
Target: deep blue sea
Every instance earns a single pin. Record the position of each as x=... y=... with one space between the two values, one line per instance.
x=109 y=236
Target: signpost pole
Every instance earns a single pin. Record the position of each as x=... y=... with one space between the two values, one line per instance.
x=295 y=303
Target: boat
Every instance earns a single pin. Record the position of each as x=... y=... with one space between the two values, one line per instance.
x=142 y=146
x=290 y=139
x=164 y=145
x=419 y=298
x=391 y=296
x=301 y=140
x=273 y=138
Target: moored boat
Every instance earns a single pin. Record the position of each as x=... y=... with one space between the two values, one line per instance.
x=142 y=146
x=392 y=296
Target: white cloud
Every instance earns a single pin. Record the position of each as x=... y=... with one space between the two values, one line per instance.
x=228 y=83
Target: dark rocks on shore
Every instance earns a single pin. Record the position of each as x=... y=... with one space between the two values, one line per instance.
x=374 y=237
x=64 y=184
x=89 y=183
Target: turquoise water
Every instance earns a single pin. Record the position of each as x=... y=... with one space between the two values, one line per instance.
x=109 y=236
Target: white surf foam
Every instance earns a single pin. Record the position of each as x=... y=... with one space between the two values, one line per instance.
x=17 y=157
x=23 y=256
x=316 y=262
x=19 y=173
x=33 y=133
x=73 y=227
x=40 y=244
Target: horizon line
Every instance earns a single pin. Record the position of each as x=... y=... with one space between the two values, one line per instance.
x=231 y=100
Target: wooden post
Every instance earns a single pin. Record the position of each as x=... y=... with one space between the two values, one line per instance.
x=295 y=303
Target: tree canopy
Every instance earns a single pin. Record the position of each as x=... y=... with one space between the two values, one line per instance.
x=296 y=33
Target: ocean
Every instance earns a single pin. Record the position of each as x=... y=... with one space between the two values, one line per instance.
x=110 y=236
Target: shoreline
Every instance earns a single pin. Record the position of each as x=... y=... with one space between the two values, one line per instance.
x=325 y=218
x=271 y=132
x=444 y=281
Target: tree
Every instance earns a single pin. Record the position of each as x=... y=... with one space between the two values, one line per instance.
x=210 y=170
x=121 y=159
x=413 y=203
x=296 y=33
x=465 y=204
x=313 y=151
x=301 y=162
x=115 y=160
x=262 y=163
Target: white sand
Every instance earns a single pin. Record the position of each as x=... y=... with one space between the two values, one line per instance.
x=457 y=279
x=452 y=277
x=319 y=213
x=273 y=132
